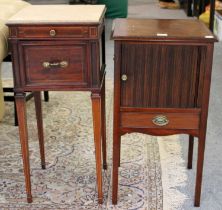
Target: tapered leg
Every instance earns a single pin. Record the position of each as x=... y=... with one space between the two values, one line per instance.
x=23 y=133
x=15 y=114
x=116 y=122
x=189 y=8
x=190 y=152
x=103 y=117
x=96 y=109
x=38 y=110
x=116 y=155
x=212 y=13
x=116 y=161
x=200 y=162
x=46 y=96
x=119 y=151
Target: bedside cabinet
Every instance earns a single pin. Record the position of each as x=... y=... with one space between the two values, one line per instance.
x=59 y=48
x=162 y=83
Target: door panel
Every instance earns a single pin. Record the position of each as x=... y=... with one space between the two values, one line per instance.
x=160 y=75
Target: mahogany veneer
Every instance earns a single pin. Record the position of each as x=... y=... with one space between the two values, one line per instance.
x=162 y=83
x=59 y=54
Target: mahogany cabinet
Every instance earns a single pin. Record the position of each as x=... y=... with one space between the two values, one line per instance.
x=162 y=83
x=59 y=48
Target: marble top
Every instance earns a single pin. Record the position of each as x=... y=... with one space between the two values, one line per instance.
x=40 y=14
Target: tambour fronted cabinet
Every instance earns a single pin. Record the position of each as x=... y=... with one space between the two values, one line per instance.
x=162 y=83
x=59 y=48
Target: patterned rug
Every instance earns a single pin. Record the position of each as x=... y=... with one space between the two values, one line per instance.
x=69 y=179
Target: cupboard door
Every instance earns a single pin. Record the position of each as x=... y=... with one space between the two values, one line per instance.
x=161 y=76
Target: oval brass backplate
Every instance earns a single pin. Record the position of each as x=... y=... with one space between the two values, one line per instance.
x=160 y=120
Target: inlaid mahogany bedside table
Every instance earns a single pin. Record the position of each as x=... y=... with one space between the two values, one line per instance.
x=59 y=47
x=162 y=83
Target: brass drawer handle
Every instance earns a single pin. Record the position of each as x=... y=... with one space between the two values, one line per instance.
x=62 y=64
x=160 y=120
x=52 y=32
x=124 y=77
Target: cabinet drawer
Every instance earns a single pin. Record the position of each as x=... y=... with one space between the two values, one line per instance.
x=49 y=64
x=53 y=32
x=160 y=120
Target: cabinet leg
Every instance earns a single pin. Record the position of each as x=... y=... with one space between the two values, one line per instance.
x=190 y=152
x=23 y=133
x=116 y=156
x=103 y=126
x=119 y=147
x=96 y=109
x=200 y=162
x=46 y=96
x=38 y=110
x=15 y=114
x=116 y=162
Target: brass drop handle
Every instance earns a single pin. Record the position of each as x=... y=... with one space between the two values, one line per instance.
x=160 y=120
x=62 y=64
x=124 y=77
x=52 y=32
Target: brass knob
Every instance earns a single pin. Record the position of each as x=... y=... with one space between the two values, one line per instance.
x=160 y=120
x=124 y=77
x=52 y=32
x=64 y=64
x=46 y=65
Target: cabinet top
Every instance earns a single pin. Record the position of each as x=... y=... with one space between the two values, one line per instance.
x=161 y=29
x=59 y=14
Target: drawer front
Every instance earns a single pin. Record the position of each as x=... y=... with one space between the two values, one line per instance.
x=160 y=120
x=49 y=64
x=53 y=32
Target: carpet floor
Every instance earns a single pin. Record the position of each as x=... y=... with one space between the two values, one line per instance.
x=69 y=180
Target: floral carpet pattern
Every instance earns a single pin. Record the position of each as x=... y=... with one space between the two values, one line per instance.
x=69 y=180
